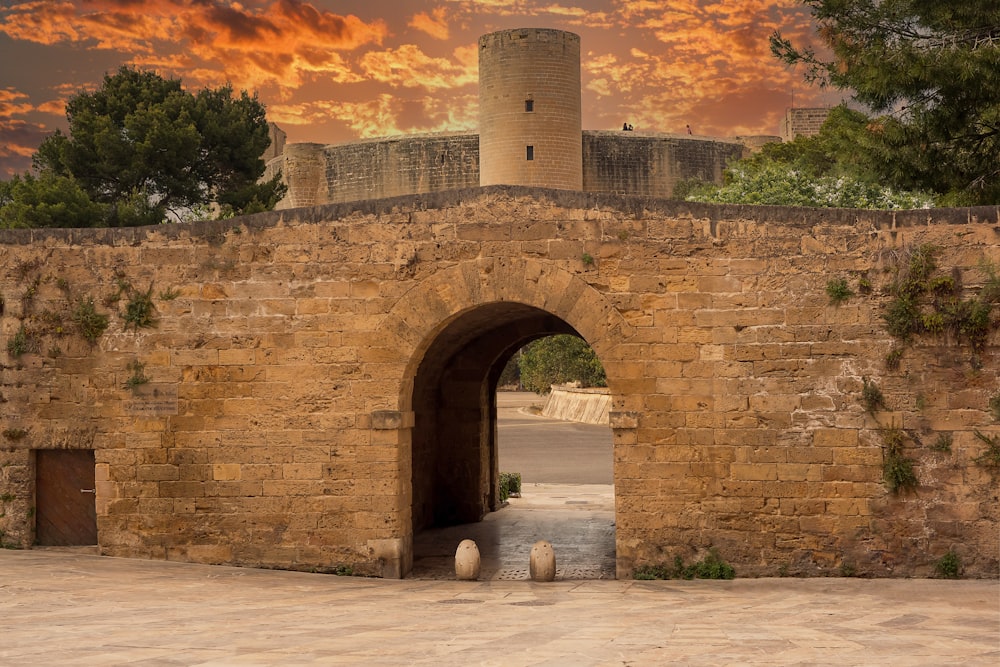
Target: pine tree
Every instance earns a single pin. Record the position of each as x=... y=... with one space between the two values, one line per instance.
x=929 y=71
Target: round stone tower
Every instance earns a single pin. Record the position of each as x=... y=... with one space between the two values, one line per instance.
x=529 y=109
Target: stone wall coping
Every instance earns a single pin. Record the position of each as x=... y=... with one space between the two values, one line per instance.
x=394 y=138
x=673 y=136
x=630 y=206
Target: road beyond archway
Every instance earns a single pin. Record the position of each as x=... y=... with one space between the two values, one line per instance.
x=549 y=451
x=567 y=499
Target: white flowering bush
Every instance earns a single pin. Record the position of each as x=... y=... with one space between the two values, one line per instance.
x=769 y=182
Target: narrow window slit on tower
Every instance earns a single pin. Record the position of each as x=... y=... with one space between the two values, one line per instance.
x=531 y=152
x=529 y=105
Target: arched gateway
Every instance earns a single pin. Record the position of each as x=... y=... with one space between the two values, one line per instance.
x=457 y=330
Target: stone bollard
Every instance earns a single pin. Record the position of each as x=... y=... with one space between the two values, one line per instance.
x=467 y=561
x=542 y=565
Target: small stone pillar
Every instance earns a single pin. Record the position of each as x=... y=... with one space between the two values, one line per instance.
x=467 y=561
x=542 y=564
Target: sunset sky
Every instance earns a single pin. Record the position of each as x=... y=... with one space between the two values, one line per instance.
x=334 y=70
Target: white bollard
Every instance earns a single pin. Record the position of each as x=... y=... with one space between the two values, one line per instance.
x=467 y=561
x=542 y=564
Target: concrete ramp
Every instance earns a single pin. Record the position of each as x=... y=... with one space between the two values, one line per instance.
x=572 y=404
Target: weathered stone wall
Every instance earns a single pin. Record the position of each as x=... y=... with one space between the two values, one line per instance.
x=635 y=163
x=804 y=122
x=376 y=168
x=320 y=379
x=652 y=164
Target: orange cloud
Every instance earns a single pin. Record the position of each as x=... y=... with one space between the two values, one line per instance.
x=433 y=24
x=13 y=103
x=410 y=67
x=278 y=44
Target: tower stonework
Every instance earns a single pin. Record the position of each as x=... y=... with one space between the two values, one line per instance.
x=530 y=127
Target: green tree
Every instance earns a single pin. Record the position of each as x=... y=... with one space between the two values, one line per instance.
x=559 y=359
x=929 y=71
x=810 y=171
x=48 y=200
x=145 y=148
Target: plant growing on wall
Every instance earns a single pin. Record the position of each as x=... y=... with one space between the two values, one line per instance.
x=871 y=396
x=90 y=323
x=22 y=342
x=139 y=308
x=14 y=434
x=138 y=375
x=928 y=302
x=990 y=458
x=838 y=291
x=139 y=311
x=897 y=470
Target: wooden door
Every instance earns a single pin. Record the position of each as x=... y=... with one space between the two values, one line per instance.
x=65 y=508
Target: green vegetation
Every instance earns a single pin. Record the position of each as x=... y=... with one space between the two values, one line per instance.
x=710 y=567
x=838 y=291
x=871 y=396
x=893 y=358
x=792 y=175
x=14 y=434
x=142 y=150
x=22 y=342
x=139 y=309
x=510 y=485
x=169 y=294
x=897 y=470
x=994 y=405
x=928 y=302
x=46 y=200
x=90 y=323
x=553 y=360
x=943 y=443
x=138 y=375
x=990 y=458
x=927 y=70
x=949 y=566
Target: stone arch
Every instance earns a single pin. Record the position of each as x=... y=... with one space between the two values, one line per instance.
x=456 y=331
x=421 y=313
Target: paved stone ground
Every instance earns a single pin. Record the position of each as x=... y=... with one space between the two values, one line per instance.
x=578 y=520
x=72 y=608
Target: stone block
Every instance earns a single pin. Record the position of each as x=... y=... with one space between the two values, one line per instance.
x=226 y=471
x=833 y=437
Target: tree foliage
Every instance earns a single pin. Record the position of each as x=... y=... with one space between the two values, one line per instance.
x=929 y=70
x=557 y=360
x=810 y=171
x=147 y=150
x=47 y=200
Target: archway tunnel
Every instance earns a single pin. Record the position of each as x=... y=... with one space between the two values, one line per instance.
x=454 y=445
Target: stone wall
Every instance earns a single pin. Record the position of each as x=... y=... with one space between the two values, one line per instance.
x=652 y=164
x=320 y=380
x=387 y=167
x=637 y=163
x=804 y=122
x=590 y=405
